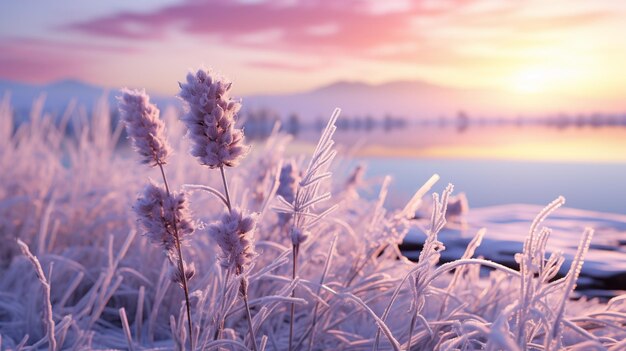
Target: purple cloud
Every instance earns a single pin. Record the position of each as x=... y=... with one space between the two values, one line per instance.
x=40 y=61
x=284 y=66
x=25 y=61
x=351 y=28
x=307 y=26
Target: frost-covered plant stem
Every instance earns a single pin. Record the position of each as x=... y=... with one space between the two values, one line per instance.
x=358 y=267
x=531 y=263
x=553 y=338
x=181 y=266
x=411 y=327
x=306 y=198
x=243 y=289
x=222 y=318
x=49 y=320
x=294 y=267
x=228 y=203
x=295 y=249
x=244 y=296
x=324 y=273
x=225 y=290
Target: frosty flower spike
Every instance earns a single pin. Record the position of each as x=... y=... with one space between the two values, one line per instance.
x=159 y=212
x=234 y=234
x=211 y=120
x=164 y=214
x=144 y=126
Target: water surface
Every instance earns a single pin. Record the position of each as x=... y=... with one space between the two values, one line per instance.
x=590 y=186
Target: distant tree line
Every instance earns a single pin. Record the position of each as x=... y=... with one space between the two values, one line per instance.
x=259 y=123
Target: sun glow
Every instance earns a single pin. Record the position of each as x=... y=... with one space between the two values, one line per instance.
x=534 y=80
x=529 y=81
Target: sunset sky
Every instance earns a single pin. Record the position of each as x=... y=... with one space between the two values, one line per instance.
x=553 y=48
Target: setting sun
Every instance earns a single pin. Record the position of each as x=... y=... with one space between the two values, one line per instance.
x=535 y=80
x=530 y=81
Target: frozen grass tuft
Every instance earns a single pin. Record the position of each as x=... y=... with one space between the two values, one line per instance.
x=320 y=272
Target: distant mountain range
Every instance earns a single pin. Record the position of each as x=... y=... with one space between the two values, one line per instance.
x=410 y=99
x=58 y=96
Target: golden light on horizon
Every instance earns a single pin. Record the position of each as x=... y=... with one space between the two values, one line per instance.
x=585 y=145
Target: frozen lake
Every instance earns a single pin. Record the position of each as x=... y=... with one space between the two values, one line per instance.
x=497 y=165
x=590 y=186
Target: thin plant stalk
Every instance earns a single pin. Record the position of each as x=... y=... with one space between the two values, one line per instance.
x=228 y=204
x=45 y=282
x=326 y=266
x=244 y=284
x=411 y=330
x=294 y=250
x=181 y=265
x=227 y=196
x=244 y=296
x=372 y=253
x=222 y=322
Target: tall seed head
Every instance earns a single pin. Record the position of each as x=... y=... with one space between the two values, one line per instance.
x=210 y=120
x=234 y=233
x=144 y=126
x=163 y=215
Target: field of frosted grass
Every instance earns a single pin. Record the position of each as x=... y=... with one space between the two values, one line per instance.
x=94 y=281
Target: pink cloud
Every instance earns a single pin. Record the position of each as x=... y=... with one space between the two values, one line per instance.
x=325 y=29
x=355 y=29
x=65 y=46
x=40 y=61
x=26 y=62
x=283 y=66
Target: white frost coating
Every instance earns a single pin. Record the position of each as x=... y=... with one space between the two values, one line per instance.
x=346 y=279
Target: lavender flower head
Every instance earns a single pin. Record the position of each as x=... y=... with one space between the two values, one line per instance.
x=164 y=216
x=144 y=126
x=211 y=120
x=234 y=234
